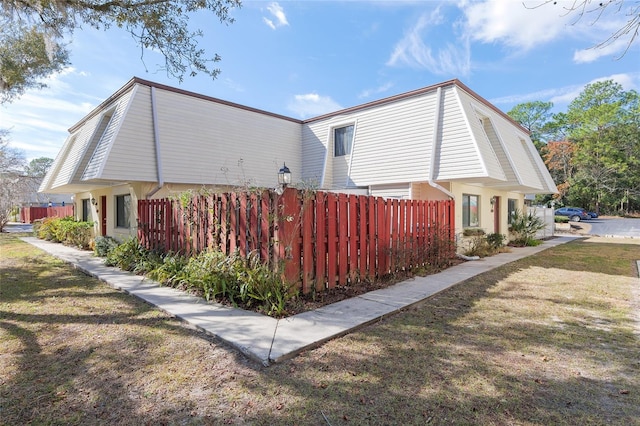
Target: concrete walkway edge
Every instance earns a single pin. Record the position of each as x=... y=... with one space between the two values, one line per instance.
x=267 y=339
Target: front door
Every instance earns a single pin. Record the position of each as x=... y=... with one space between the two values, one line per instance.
x=103 y=215
x=496 y=215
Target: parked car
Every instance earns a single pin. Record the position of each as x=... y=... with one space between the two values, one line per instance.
x=575 y=214
x=593 y=215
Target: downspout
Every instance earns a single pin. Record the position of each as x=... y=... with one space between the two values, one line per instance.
x=434 y=144
x=156 y=140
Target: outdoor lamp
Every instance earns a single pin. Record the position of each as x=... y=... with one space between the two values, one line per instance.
x=93 y=201
x=284 y=176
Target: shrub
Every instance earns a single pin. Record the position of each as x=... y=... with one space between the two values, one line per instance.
x=472 y=232
x=103 y=245
x=524 y=227
x=127 y=255
x=65 y=230
x=496 y=240
x=48 y=229
x=561 y=219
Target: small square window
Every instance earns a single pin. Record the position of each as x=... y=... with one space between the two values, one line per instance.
x=342 y=141
x=123 y=211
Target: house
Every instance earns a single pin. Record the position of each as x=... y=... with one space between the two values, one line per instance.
x=440 y=142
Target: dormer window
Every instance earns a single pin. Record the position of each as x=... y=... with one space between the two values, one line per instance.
x=342 y=141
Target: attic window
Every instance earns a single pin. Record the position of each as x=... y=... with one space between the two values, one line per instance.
x=342 y=141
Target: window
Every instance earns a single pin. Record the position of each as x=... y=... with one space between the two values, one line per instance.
x=123 y=210
x=86 y=210
x=342 y=141
x=470 y=216
x=512 y=208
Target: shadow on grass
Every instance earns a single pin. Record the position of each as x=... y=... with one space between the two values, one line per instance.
x=443 y=363
x=464 y=356
x=74 y=351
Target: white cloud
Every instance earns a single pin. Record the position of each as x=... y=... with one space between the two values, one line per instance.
x=277 y=12
x=449 y=59
x=617 y=48
x=532 y=23
x=312 y=105
x=562 y=96
x=512 y=23
x=367 y=93
x=628 y=81
x=39 y=119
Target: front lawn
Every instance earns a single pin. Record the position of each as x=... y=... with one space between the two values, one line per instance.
x=551 y=339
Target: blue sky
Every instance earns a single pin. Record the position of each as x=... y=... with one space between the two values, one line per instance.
x=305 y=58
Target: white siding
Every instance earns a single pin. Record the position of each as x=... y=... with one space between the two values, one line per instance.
x=314 y=150
x=78 y=151
x=106 y=132
x=402 y=191
x=466 y=152
x=392 y=143
x=133 y=156
x=205 y=142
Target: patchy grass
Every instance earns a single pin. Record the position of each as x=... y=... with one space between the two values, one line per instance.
x=551 y=339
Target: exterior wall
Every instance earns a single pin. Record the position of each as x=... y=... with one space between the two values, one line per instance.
x=128 y=144
x=424 y=191
x=486 y=216
x=205 y=142
x=119 y=234
x=461 y=153
x=385 y=136
x=401 y=191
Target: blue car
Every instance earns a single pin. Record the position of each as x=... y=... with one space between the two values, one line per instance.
x=575 y=214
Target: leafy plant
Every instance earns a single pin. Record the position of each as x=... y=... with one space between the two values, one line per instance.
x=524 y=227
x=127 y=255
x=103 y=245
x=496 y=240
x=471 y=232
x=65 y=230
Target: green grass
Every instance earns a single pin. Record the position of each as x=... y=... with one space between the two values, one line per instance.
x=550 y=339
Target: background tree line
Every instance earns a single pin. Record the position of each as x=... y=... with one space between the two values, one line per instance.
x=592 y=150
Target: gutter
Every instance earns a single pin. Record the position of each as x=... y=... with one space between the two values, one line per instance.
x=156 y=140
x=434 y=144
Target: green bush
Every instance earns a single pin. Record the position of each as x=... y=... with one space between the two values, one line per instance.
x=128 y=255
x=496 y=240
x=103 y=245
x=65 y=230
x=239 y=280
x=524 y=227
x=561 y=219
x=472 y=232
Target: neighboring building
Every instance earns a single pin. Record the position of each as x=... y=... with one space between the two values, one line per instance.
x=440 y=142
x=33 y=198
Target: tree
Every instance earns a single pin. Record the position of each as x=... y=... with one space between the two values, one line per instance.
x=12 y=164
x=558 y=156
x=533 y=116
x=33 y=34
x=26 y=57
x=594 y=10
x=604 y=126
x=38 y=167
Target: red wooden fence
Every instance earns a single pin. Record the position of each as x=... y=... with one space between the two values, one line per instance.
x=321 y=239
x=29 y=214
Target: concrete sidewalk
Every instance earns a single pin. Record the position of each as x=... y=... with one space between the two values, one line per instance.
x=267 y=339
